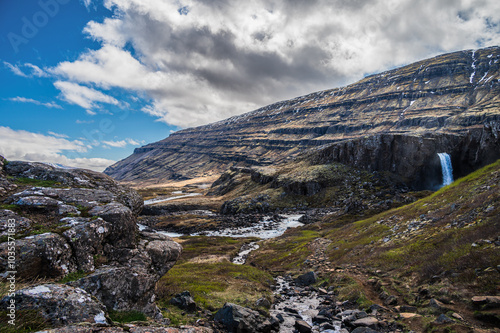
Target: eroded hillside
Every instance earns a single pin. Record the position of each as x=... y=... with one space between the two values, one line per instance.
x=394 y=121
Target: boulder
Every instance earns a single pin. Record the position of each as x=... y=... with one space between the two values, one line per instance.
x=238 y=319
x=408 y=315
x=45 y=255
x=122 y=288
x=263 y=302
x=19 y=223
x=363 y=330
x=86 y=239
x=59 y=304
x=371 y=322
x=443 y=319
x=184 y=301
x=122 y=223
x=307 y=279
x=302 y=327
x=162 y=250
x=486 y=302
x=434 y=303
x=37 y=202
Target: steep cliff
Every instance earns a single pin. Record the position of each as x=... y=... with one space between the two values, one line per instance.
x=394 y=121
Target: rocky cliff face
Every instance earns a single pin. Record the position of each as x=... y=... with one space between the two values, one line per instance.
x=447 y=103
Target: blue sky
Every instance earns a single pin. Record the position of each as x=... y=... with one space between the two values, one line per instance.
x=29 y=101
x=84 y=82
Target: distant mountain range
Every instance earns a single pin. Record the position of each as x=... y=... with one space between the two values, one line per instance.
x=395 y=121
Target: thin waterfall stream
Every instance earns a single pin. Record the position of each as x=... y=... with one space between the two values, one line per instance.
x=446 y=168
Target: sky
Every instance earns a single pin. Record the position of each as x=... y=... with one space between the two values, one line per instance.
x=84 y=82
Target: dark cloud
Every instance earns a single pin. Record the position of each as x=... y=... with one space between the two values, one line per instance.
x=209 y=59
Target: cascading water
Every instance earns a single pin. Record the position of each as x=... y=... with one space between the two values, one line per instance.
x=446 y=168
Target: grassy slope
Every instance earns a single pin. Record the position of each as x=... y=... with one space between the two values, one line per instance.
x=443 y=243
x=205 y=271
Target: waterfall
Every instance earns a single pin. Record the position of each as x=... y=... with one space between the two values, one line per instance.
x=446 y=168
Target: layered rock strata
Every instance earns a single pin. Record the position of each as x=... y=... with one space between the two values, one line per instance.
x=448 y=103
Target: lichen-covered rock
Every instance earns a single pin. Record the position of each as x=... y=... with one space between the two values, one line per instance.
x=59 y=304
x=78 y=179
x=67 y=210
x=40 y=202
x=5 y=184
x=162 y=250
x=86 y=238
x=61 y=197
x=45 y=255
x=238 y=319
x=8 y=217
x=106 y=228
x=131 y=283
x=122 y=288
x=131 y=329
x=184 y=301
x=122 y=222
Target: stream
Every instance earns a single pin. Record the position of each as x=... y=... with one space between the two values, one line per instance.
x=292 y=302
x=158 y=200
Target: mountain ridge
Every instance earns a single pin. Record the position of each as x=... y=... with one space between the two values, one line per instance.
x=455 y=95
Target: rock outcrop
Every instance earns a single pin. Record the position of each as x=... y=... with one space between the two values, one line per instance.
x=238 y=319
x=394 y=121
x=59 y=304
x=87 y=225
x=79 y=181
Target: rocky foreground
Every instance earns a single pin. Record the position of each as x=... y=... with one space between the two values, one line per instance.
x=78 y=227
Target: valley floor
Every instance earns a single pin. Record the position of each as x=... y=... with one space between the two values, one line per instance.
x=419 y=267
x=377 y=258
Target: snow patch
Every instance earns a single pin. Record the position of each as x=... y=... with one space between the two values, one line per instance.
x=473 y=67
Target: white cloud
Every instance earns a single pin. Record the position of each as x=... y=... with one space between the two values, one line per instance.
x=121 y=143
x=33 y=101
x=58 y=135
x=83 y=96
x=201 y=61
x=27 y=146
x=79 y=121
x=35 y=71
x=116 y=144
x=134 y=142
x=15 y=69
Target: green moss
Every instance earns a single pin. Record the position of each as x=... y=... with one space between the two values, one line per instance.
x=213 y=284
x=72 y=277
x=287 y=252
x=84 y=211
x=10 y=207
x=348 y=289
x=178 y=316
x=25 y=321
x=34 y=182
x=127 y=316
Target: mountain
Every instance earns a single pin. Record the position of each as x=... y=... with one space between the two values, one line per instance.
x=395 y=121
